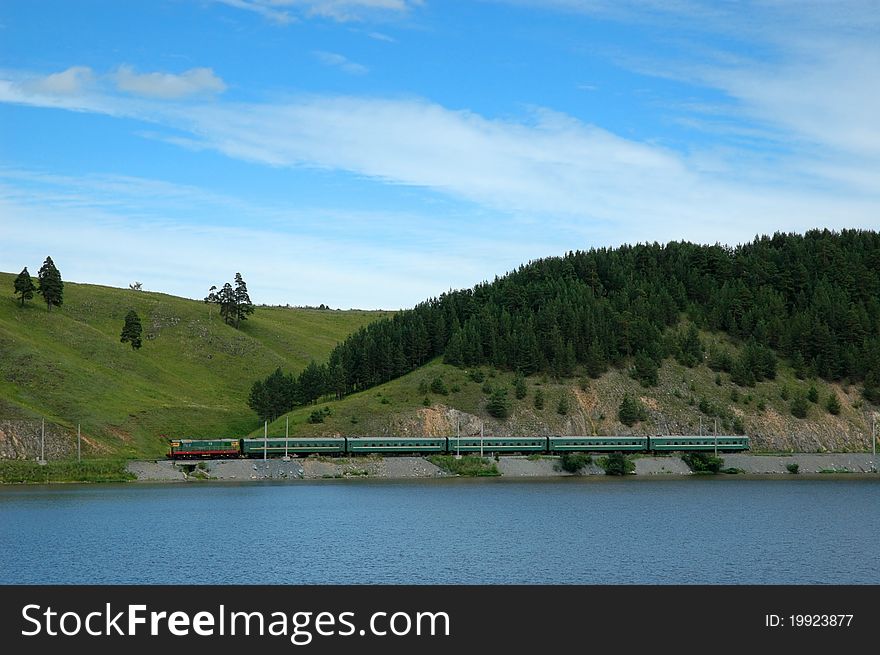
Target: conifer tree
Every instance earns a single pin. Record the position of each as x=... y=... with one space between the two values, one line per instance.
x=241 y=301
x=131 y=330
x=50 y=285
x=24 y=286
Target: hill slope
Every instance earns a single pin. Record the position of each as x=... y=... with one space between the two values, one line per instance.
x=192 y=376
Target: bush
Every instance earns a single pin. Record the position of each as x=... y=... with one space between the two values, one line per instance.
x=455 y=388
x=438 y=386
x=477 y=375
x=617 y=464
x=317 y=416
x=423 y=386
x=813 y=394
x=574 y=462
x=519 y=387
x=833 y=404
x=426 y=402
x=631 y=411
x=738 y=425
x=793 y=468
x=703 y=462
x=562 y=406
x=487 y=388
x=498 y=405
x=762 y=405
x=539 y=399
x=799 y=406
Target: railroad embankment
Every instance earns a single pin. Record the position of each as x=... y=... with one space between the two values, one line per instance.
x=317 y=468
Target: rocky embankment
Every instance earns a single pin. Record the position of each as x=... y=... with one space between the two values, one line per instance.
x=392 y=468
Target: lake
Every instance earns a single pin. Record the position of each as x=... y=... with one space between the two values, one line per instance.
x=586 y=531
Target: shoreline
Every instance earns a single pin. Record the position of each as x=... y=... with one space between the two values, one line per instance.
x=510 y=467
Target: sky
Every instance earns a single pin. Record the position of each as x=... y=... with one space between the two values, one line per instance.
x=376 y=153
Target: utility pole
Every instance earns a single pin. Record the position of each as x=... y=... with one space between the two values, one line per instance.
x=458 y=439
x=481 y=440
x=715 y=432
x=78 y=444
x=43 y=442
x=286 y=437
x=265 y=439
x=873 y=443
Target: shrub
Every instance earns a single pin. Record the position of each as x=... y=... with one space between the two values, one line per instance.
x=813 y=394
x=539 y=399
x=426 y=402
x=477 y=375
x=519 y=387
x=423 y=386
x=439 y=386
x=703 y=462
x=498 y=405
x=487 y=388
x=738 y=425
x=455 y=388
x=574 y=462
x=317 y=416
x=734 y=395
x=793 y=468
x=833 y=404
x=562 y=406
x=631 y=411
x=617 y=464
x=799 y=406
x=762 y=405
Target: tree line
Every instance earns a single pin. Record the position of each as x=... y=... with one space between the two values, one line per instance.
x=813 y=299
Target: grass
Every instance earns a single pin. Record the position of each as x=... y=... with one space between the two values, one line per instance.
x=191 y=377
x=30 y=472
x=467 y=466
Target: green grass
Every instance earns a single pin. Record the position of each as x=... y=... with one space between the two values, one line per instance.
x=191 y=377
x=30 y=472
x=467 y=466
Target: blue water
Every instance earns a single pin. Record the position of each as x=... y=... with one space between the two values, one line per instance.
x=460 y=531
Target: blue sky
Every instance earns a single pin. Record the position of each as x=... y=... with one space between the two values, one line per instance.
x=373 y=153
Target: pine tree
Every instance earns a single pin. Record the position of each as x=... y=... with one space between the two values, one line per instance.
x=131 y=330
x=539 y=399
x=799 y=405
x=813 y=394
x=562 y=405
x=833 y=404
x=50 y=285
x=24 y=286
x=241 y=300
x=226 y=300
x=631 y=411
x=498 y=405
x=519 y=387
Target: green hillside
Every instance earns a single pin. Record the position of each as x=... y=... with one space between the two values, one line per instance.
x=684 y=399
x=192 y=375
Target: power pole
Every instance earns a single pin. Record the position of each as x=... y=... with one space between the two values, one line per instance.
x=265 y=439
x=286 y=437
x=43 y=442
x=78 y=444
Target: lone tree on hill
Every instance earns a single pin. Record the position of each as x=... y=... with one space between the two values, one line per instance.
x=24 y=286
x=51 y=286
x=243 y=304
x=131 y=330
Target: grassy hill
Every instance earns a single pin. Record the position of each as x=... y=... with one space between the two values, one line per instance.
x=191 y=377
x=683 y=398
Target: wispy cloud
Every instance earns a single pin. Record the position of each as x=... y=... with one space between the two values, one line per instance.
x=341 y=62
x=287 y=11
x=193 y=82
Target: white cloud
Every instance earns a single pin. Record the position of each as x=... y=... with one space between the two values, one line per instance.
x=71 y=82
x=341 y=62
x=195 y=81
x=279 y=11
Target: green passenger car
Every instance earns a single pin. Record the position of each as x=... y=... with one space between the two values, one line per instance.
x=497 y=444
x=598 y=444
x=396 y=445
x=726 y=443
x=275 y=446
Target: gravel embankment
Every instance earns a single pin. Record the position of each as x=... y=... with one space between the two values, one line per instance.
x=316 y=468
